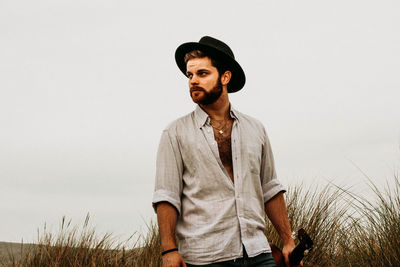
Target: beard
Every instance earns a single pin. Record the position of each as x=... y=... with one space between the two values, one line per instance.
x=208 y=97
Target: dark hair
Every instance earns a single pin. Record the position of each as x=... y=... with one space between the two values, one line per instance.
x=215 y=61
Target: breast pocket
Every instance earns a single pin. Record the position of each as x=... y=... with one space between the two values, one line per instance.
x=253 y=156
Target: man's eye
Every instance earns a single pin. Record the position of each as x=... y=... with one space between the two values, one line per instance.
x=203 y=73
x=189 y=75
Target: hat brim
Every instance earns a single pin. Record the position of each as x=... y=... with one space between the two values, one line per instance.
x=238 y=78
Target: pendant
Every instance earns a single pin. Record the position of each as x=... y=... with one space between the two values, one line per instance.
x=221 y=132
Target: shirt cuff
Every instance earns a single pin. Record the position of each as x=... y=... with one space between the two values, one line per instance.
x=272 y=188
x=166 y=196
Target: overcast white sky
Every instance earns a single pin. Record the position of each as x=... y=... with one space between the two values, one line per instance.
x=86 y=88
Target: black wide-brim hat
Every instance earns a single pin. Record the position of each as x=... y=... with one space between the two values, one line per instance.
x=218 y=50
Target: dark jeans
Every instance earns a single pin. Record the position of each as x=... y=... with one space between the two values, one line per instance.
x=262 y=260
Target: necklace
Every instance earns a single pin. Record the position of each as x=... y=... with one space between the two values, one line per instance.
x=220 y=129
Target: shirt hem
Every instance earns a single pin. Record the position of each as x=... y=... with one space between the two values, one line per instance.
x=226 y=258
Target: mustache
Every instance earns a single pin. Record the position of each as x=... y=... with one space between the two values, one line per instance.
x=196 y=88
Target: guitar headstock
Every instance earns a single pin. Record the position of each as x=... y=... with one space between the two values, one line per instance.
x=304 y=239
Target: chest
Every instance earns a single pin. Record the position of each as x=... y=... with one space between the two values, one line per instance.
x=224 y=142
x=204 y=150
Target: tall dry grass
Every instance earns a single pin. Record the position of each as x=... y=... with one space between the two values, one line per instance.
x=74 y=246
x=347 y=229
x=322 y=214
x=374 y=231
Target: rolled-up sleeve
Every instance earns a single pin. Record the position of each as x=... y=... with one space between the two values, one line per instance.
x=169 y=169
x=270 y=184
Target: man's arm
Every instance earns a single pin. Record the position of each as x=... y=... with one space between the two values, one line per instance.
x=276 y=211
x=166 y=218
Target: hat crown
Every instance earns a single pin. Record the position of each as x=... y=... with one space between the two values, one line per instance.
x=217 y=44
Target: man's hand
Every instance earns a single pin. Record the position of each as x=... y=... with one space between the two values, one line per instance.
x=286 y=250
x=173 y=259
x=275 y=209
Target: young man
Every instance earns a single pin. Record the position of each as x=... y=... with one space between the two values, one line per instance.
x=215 y=177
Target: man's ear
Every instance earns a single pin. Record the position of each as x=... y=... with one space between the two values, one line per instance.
x=226 y=77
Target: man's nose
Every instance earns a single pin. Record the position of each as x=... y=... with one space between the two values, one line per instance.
x=194 y=79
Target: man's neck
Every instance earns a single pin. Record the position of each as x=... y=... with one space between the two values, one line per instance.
x=219 y=110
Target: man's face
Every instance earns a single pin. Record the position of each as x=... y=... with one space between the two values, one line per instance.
x=204 y=81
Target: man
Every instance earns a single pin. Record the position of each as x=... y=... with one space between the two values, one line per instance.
x=215 y=177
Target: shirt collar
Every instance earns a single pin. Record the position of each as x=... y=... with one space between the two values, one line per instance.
x=234 y=114
x=202 y=117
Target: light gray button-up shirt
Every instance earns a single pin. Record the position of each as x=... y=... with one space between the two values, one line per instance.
x=216 y=216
